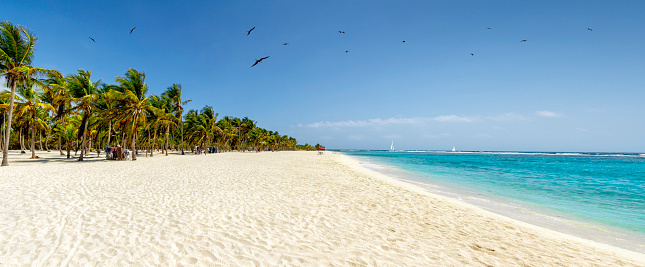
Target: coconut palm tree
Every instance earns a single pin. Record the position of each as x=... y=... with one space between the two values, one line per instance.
x=28 y=103
x=4 y=105
x=162 y=118
x=107 y=103
x=16 y=55
x=57 y=95
x=84 y=93
x=68 y=132
x=174 y=94
x=137 y=105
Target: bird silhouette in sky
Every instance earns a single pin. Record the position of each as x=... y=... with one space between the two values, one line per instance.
x=404 y=41
x=258 y=61
x=589 y=29
x=132 y=30
x=341 y=32
x=285 y=44
x=247 y=34
x=472 y=54
x=489 y=28
x=523 y=41
x=92 y=39
x=346 y=51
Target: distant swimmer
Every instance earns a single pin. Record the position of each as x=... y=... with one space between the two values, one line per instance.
x=259 y=60
x=92 y=39
x=132 y=30
x=341 y=32
x=247 y=34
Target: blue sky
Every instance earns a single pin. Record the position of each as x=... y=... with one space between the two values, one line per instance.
x=565 y=89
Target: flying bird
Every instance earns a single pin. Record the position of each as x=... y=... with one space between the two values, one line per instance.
x=523 y=41
x=247 y=34
x=92 y=39
x=489 y=28
x=346 y=51
x=285 y=44
x=341 y=32
x=132 y=30
x=589 y=29
x=404 y=41
x=258 y=61
x=472 y=54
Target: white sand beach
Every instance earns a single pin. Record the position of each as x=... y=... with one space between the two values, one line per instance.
x=257 y=209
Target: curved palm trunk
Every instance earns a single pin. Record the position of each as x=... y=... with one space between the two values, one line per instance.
x=84 y=137
x=166 y=142
x=40 y=140
x=182 y=133
x=33 y=136
x=60 y=146
x=22 y=141
x=134 y=138
x=4 y=121
x=5 y=152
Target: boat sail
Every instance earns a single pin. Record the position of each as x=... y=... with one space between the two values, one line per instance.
x=453 y=149
x=392 y=146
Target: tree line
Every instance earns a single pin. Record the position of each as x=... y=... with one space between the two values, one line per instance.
x=78 y=112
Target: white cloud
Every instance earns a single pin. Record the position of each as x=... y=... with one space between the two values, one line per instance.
x=380 y=122
x=548 y=114
x=452 y=118
x=390 y=121
x=507 y=117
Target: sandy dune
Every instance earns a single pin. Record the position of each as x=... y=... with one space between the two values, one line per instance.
x=257 y=209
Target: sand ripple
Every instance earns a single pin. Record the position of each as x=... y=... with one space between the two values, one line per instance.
x=256 y=209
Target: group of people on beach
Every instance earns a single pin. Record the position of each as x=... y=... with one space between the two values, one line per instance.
x=211 y=149
x=116 y=153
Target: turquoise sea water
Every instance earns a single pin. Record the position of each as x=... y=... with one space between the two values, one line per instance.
x=600 y=188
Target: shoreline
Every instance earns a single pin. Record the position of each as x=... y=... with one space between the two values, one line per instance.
x=424 y=188
x=282 y=208
x=514 y=209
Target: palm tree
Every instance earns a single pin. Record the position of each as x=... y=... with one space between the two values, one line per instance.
x=84 y=93
x=68 y=132
x=4 y=105
x=137 y=104
x=162 y=117
x=174 y=94
x=57 y=95
x=29 y=102
x=16 y=54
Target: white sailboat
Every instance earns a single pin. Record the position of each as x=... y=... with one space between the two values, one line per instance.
x=392 y=146
x=453 y=149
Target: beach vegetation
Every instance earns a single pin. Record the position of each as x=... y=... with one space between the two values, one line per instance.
x=81 y=113
x=16 y=54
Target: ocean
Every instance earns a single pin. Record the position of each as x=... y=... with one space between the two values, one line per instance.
x=599 y=196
